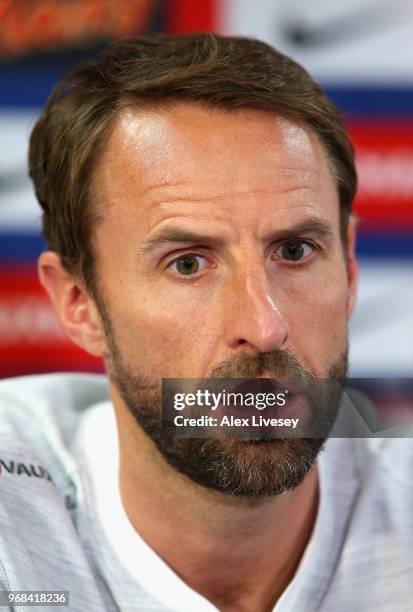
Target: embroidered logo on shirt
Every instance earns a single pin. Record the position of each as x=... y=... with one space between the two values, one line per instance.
x=24 y=469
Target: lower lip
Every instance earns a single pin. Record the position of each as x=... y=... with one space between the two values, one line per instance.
x=294 y=408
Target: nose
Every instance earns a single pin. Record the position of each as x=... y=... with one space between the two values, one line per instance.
x=254 y=320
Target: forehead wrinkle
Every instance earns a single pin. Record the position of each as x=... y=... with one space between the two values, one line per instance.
x=286 y=178
x=163 y=202
x=221 y=217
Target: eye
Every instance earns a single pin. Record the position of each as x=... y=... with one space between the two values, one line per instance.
x=294 y=250
x=187 y=265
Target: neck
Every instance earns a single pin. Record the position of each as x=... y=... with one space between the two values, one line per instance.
x=239 y=553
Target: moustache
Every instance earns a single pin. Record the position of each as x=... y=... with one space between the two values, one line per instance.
x=275 y=364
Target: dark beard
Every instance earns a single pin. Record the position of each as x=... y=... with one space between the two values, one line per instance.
x=254 y=468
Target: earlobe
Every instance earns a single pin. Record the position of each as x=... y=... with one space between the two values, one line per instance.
x=352 y=265
x=76 y=310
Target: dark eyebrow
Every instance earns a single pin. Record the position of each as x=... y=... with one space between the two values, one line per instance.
x=173 y=235
x=313 y=226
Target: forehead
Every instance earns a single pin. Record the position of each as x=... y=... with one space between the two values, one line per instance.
x=158 y=161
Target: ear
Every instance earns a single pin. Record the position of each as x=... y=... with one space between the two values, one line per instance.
x=352 y=265
x=76 y=310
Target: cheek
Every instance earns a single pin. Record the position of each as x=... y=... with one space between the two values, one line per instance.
x=318 y=322
x=162 y=335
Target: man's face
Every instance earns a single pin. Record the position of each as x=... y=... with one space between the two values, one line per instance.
x=219 y=253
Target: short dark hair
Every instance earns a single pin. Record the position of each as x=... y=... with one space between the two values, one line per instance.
x=218 y=71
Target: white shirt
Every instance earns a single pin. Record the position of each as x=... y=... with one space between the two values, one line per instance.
x=72 y=533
